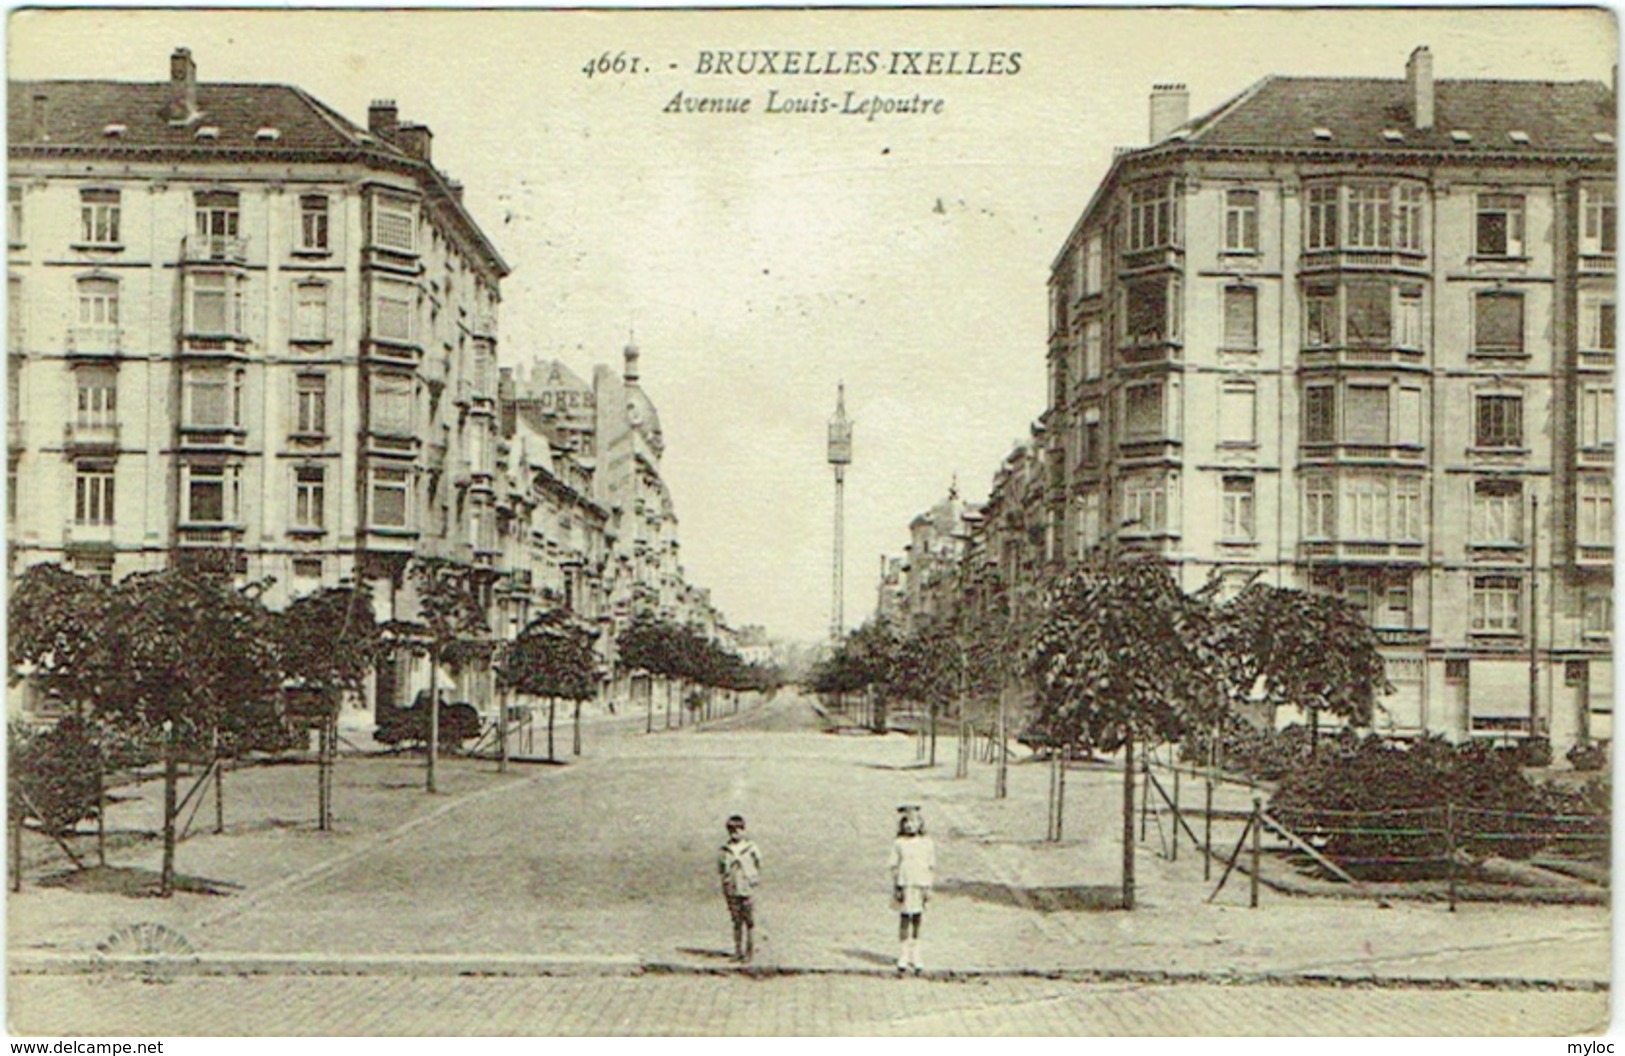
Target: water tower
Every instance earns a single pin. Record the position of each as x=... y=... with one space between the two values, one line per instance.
x=840 y=456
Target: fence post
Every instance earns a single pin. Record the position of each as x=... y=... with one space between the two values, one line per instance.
x=1145 y=793
x=1450 y=849
x=1207 y=832
x=1174 y=857
x=1258 y=809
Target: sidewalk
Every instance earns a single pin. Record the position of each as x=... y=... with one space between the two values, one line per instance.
x=606 y=866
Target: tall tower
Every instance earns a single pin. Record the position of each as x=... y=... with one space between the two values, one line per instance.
x=840 y=456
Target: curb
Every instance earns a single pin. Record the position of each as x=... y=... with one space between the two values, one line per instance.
x=528 y=966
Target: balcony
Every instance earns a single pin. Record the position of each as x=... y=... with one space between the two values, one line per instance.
x=1361 y=454
x=1143 y=260
x=1361 y=552
x=1596 y=263
x=203 y=249
x=1595 y=457
x=212 y=438
x=1343 y=259
x=198 y=344
x=95 y=340
x=404 y=352
x=1593 y=554
x=200 y=536
x=1596 y=359
x=90 y=436
x=1325 y=357
x=393 y=443
x=1401 y=635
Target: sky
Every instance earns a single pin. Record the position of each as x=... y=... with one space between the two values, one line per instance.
x=762 y=258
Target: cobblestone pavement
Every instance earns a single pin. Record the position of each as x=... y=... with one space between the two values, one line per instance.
x=782 y=1005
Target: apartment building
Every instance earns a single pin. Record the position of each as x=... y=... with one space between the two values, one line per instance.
x=246 y=336
x=1357 y=335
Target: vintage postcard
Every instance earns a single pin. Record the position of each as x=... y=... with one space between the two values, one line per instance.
x=810 y=522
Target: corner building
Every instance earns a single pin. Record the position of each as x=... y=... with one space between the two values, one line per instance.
x=1357 y=336
x=246 y=336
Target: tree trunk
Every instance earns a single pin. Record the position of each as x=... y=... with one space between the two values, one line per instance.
x=502 y=731
x=552 y=707
x=166 y=876
x=575 y=745
x=668 y=700
x=1314 y=732
x=1060 y=799
x=932 y=707
x=649 y=707
x=219 y=787
x=434 y=716
x=1128 y=822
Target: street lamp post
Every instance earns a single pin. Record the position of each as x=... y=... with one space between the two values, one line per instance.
x=839 y=457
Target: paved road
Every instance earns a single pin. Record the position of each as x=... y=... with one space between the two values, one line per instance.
x=797 y=1005
x=609 y=861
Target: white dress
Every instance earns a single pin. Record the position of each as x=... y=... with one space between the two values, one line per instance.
x=913 y=868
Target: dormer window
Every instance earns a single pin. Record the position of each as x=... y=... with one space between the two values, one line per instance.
x=1461 y=136
x=1393 y=135
x=208 y=132
x=1603 y=137
x=268 y=134
x=1321 y=133
x=1519 y=137
x=114 y=131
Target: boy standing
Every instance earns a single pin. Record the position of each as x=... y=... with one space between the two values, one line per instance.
x=740 y=864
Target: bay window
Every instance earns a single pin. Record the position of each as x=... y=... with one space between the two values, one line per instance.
x=394 y=305
x=1145 y=504
x=212 y=398
x=1319 y=507
x=1151 y=216
x=394 y=224
x=1364 y=215
x=215 y=304
x=1143 y=411
x=1598 y=221
x=1597 y=417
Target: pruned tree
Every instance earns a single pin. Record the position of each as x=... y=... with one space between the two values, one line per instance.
x=930 y=668
x=329 y=641
x=1306 y=650
x=450 y=627
x=1122 y=657
x=552 y=658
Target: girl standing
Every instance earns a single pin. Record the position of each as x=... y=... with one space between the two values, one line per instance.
x=913 y=867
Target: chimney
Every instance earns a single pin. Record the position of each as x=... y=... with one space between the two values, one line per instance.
x=415 y=140
x=631 y=372
x=182 y=86
x=1170 y=108
x=42 y=117
x=1419 y=76
x=382 y=118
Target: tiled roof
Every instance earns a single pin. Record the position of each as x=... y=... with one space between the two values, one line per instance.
x=78 y=113
x=1286 y=111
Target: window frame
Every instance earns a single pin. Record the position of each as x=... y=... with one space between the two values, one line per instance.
x=1513 y=208
x=315 y=224
x=384 y=389
x=404 y=295
x=1247 y=297
x=1597 y=421
x=308 y=512
x=1238 y=498
x=230 y=382
x=386 y=208
x=1594 y=510
x=1320 y=506
x=1481 y=346
x=303 y=291
x=310 y=404
x=195 y=475
x=1497 y=512
x=94 y=494
x=1132 y=434
x=1231 y=389
x=95 y=397
x=1599 y=221
x=1507 y=590
x=101 y=218
x=1484 y=429
x=1240 y=233
x=389 y=478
